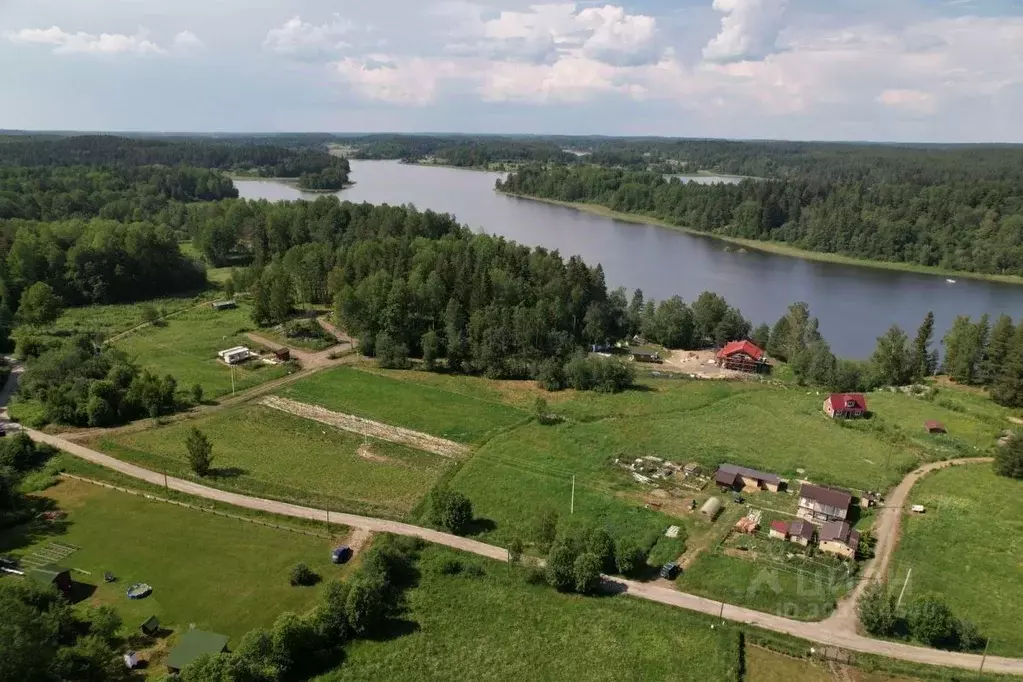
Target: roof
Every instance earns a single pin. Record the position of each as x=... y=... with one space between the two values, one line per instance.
x=833 y=497
x=932 y=425
x=236 y=349
x=644 y=353
x=840 y=531
x=151 y=623
x=801 y=529
x=748 y=347
x=711 y=506
x=193 y=644
x=780 y=526
x=748 y=473
x=45 y=574
x=839 y=400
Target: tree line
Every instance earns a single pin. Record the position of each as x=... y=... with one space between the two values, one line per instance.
x=268 y=156
x=457 y=150
x=972 y=225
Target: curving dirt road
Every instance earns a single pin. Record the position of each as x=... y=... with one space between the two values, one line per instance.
x=835 y=631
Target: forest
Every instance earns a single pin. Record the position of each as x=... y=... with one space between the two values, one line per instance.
x=457 y=150
x=974 y=226
x=262 y=157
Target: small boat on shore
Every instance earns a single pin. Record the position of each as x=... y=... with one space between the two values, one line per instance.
x=950 y=281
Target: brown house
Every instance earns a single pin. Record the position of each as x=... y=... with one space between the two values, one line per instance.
x=845 y=406
x=820 y=504
x=736 y=477
x=743 y=356
x=840 y=539
x=779 y=530
x=801 y=532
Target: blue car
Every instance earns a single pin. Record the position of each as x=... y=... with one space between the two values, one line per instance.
x=341 y=554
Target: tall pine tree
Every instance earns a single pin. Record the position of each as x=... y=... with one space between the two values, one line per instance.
x=924 y=360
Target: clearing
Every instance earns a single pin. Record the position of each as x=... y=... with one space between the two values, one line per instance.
x=367 y=427
x=399 y=400
x=266 y=452
x=968 y=548
x=219 y=573
x=186 y=347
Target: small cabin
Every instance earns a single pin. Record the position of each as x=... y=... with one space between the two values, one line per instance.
x=282 y=354
x=779 y=530
x=934 y=427
x=224 y=305
x=846 y=406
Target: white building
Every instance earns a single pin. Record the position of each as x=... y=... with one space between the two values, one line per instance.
x=233 y=356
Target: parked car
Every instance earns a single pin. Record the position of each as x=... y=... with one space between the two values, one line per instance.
x=739 y=499
x=341 y=554
x=670 y=571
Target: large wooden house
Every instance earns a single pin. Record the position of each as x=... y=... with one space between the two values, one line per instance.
x=822 y=505
x=743 y=356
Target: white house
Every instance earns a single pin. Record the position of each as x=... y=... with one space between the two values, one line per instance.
x=233 y=356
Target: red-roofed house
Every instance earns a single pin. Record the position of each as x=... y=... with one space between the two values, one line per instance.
x=743 y=356
x=779 y=530
x=845 y=405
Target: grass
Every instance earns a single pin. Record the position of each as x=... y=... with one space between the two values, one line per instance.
x=497 y=627
x=455 y=416
x=108 y=320
x=779 y=248
x=968 y=548
x=764 y=665
x=221 y=574
x=305 y=343
x=266 y=452
x=186 y=347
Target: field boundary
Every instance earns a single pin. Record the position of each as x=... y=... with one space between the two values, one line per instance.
x=367 y=427
x=208 y=510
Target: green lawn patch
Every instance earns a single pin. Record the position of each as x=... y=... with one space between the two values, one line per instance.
x=186 y=347
x=403 y=402
x=266 y=452
x=221 y=574
x=497 y=627
x=968 y=548
x=108 y=320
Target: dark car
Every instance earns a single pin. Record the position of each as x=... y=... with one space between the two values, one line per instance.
x=341 y=554
x=670 y=571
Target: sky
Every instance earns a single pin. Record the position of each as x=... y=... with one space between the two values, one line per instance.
x=882 y=70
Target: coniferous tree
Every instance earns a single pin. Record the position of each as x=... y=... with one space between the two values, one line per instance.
x=924 y=360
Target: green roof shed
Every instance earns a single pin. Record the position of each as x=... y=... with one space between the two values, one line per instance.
x=193 y=644
x=51 y=574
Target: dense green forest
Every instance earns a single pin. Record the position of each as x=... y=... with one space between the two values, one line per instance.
x=263 y=158
x=467 y=152
x=974 y=226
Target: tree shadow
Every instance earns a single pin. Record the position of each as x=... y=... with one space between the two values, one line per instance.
x=228 y=472
x=480 y=526
x=394 y=628
x=610 y=587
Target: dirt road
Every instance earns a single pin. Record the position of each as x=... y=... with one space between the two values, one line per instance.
x=828 y=633
x=886 y=530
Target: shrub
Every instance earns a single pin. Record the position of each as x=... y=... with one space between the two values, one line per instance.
x=932 y=622
x=602 y=545
x=391 y=354
x=586 y=572
x=561 y=568
x=450 y=566
x=450 y=510
x=200 y=452
x=550 y=375
x=303 y=575
x=877 y=610
x=1009 y=458
x=628 y=556
x=475 y=571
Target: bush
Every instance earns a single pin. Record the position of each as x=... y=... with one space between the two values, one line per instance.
x=877 y=610
x=200 y=452
x=450 y=566
x=550 y=375
x=303 y=575
x=391 y=354
x=1009 y=458
x=450 y=510
x=602 y=545
x=605 y=375
x=561 y=568
x=586 y=572
x=932 y=622
x=970 y=638
x=475 y=571
x=628 y=556
x=545 y=529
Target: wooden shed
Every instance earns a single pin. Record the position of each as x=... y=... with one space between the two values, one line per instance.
x=934 y=427
x=51 y=574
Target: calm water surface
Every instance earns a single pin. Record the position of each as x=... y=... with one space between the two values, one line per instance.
x=855 y=305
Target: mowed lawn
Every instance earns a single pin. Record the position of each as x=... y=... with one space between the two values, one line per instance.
x=968 y=548
x=401 y=401
x=496 y=627
x=221 y=574
x=263 y=451
x=186 y=347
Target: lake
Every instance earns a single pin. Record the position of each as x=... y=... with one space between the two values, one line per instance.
x=855 y=305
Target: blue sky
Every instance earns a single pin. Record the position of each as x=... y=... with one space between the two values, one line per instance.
x=948 y=70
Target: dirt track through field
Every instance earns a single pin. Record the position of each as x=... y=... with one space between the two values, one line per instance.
x=367 y=427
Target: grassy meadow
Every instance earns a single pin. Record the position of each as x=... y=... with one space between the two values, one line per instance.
x=186 y=347
x=498 y=627
x=221 y=574
x=267 y=452
x=968 y=548
x=117 y=318
x=402 y=401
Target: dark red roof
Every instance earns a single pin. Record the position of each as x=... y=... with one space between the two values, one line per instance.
x=802 y=529
x=932 y=425
x=839 y=401
x=747 y=347
x=833 y=497
x=780 y=526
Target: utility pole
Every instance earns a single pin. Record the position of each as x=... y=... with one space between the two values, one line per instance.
x=328 y=522
x=909 y=573
x=232 y=380
x=572 y=508
x=983 y=658
x=165 y=486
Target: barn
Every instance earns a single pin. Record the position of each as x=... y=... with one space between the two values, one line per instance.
x=736 y=477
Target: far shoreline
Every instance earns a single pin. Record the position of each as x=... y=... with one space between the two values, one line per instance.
x=776 y=248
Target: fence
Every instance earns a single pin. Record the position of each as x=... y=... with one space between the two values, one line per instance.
x=208 y=510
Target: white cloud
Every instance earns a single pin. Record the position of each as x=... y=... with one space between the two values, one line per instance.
x=617 y=37
x=749 y=29
x=186 y=41
x=408 y=81
x=299 y=39
x=85 y=43
x=912 y=101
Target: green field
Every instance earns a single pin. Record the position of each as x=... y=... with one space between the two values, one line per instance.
x=266 y=452
x=968 y=548
x=403 y=402
x=497 y=627
x=219 y=573
x=186 y=347
x=117 y=318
